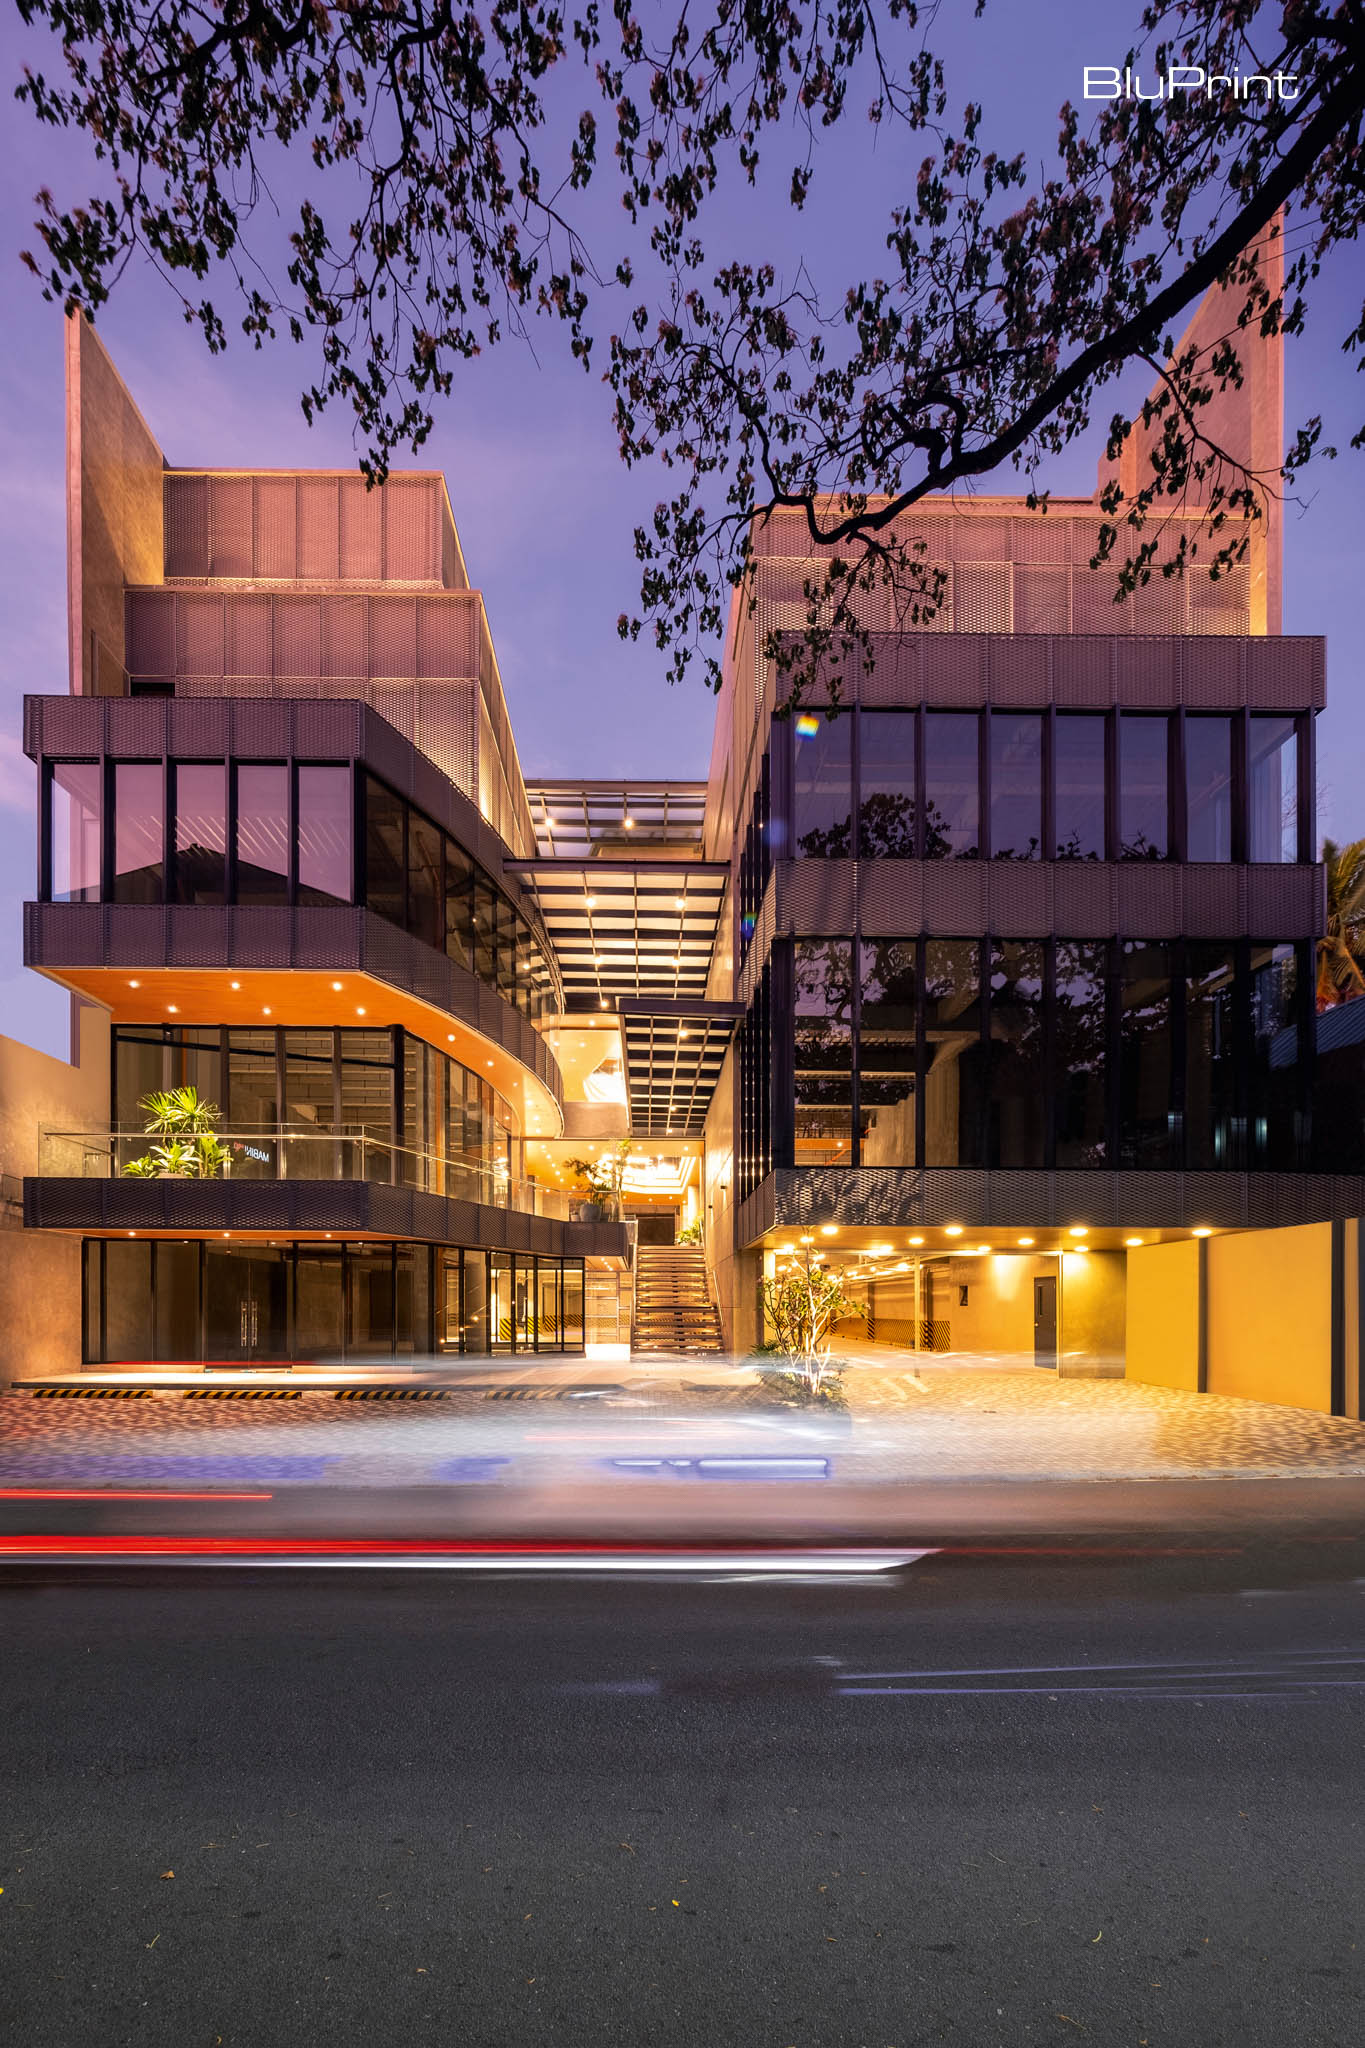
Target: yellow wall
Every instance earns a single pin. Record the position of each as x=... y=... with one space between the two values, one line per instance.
x=1270 y=1315
x=1162 y=1315
x=1092 y=1335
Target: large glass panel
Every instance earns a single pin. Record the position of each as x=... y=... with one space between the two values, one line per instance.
x=319 y=1304
x=423 y=1076
x=310 y=1105
x=252 y=1105
x=177 y=1303
x=1079 y=785
x=507 y=950
x=952 y=827
x=325 y=835
x=385 y=851
x=1016 y=1107
x=75 y=830
x=200 y=832
x=367 y=1104
x=1208 y=788
x=1273 y=783
x=411 y=1307
x=370 y=1302
x=138 y=826
x=1016 y=785
x=573 y=1304
x=426 y=875
x=824 y=1052
x=139 y=1062
x=485 y=932
x=953 y=1057
x=886 y=784
x=1211 y=1136
x=501 y=1301
x=92 y=1276
x=1143 y=826
x=1276 y=1019
x=1147 y=1121
x=468 y=1139
x=524 y=1302
x=523 y=986
x=128 y=1302
x=1080 y=1054
x=886 y=1053
x=459 y=905
x=262 y=833
x=549 y=1322
x=474 y=1306
x=822 y=787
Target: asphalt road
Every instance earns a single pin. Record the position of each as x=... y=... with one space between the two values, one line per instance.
x=988 y=1802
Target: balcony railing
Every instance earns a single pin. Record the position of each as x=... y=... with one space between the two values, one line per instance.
x=344 y=1154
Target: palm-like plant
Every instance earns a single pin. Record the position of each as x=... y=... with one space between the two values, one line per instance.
x=1340 y=948
x=185 y=1123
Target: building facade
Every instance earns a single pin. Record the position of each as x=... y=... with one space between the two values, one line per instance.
x=986 y=980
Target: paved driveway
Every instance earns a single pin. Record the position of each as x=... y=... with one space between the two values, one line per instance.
x=934 y=1423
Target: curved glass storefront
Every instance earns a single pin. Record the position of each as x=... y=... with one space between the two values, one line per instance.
x=271 y=834
x=327 y=1104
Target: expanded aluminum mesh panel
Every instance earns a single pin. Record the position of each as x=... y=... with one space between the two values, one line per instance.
x=673 y=1063
x=892 y=1197
x=323 y=528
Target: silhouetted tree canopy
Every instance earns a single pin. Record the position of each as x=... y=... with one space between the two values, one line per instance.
x=455 y=161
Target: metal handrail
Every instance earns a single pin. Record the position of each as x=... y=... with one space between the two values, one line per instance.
x=294 y=1152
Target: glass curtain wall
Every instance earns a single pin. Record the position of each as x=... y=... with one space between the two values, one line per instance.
x=1030 y=1054
x=168 y=1301
x=319 y=1104
x=822 y=787
x=888 y=805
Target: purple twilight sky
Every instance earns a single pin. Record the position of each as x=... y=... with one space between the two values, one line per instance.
x=544 y=508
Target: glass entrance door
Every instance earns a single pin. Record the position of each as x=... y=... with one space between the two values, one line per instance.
x=246 y=1305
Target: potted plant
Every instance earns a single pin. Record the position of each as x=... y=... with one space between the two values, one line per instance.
x=187 y=1127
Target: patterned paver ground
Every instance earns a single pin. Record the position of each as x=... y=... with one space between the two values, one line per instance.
x=903 y=1425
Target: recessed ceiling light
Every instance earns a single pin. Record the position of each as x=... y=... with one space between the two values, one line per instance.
x=360 y=1009
x=266 y=1011
x=490 y=1063
x=135 y=984
x=1201 y=1231
x=337 y=986
x=1026 y=1240
x=917 y=1240
x=132 y=1233
x=983 y=1247
x=174 y=1009
x=1131 y=1241
x=450 y=1038
x=829 y=1230
x=952 y=1230
x=234 y=984
x=227 y=1233
x=1078 y=1230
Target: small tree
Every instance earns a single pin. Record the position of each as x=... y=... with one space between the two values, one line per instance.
x=187 y=1125
x=603 y=1179
x=802 y=1308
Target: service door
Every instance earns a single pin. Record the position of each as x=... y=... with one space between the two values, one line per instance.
x=1045 y=1321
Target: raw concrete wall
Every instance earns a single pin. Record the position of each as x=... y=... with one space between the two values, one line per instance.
x=115 y=520
x=40 y=1273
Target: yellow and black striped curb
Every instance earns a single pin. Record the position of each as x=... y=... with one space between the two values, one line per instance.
x=92 y=1393
x=390 y=1394
x=244 y=1393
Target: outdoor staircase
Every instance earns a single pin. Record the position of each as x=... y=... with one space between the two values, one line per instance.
x=674 y=1314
